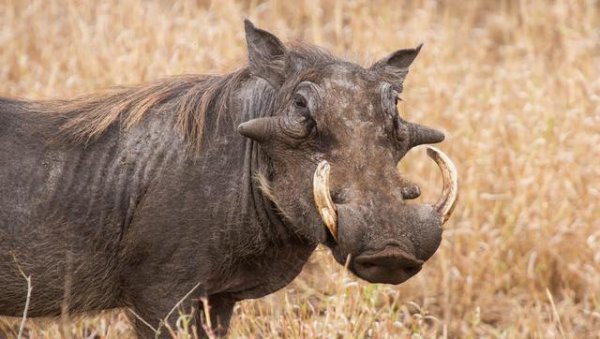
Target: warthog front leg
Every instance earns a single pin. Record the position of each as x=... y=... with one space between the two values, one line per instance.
x=220 y=309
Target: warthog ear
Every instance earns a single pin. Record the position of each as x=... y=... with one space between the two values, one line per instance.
x=395 y=65
x=266 y=54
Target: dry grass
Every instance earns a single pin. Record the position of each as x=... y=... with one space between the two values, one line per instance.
x=516 y=86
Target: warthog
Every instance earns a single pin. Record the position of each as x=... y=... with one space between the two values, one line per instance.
x=212 y=189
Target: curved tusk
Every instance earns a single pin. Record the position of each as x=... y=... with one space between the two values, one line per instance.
x=447 y=201
x=325 y=205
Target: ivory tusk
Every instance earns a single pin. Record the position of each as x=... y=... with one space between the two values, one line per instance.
x=325 y=205
x=447 y=201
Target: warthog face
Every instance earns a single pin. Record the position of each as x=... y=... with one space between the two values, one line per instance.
x=334 y=140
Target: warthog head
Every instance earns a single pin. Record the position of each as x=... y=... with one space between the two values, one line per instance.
x=334 y=139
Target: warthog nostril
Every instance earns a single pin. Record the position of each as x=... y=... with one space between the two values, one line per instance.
x=367 y=264
x=410 y=271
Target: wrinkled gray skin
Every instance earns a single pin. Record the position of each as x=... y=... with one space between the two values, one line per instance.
x=136 y=218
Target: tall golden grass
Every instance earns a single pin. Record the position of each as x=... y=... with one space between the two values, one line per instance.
x=515 y=86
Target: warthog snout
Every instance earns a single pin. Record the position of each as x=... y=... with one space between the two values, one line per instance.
x=387 y=242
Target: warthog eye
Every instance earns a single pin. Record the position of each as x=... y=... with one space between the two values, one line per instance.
x=300 y=102
x=301 y=105
x=299 y=122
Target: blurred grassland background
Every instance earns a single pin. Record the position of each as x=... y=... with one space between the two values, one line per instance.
x=515 y=86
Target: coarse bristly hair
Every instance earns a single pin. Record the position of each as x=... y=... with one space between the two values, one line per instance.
x=84 y=119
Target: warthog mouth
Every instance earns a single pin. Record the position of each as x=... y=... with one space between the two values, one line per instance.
x=444 y=206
